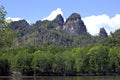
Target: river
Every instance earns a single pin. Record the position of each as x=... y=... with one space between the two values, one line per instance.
x=63 y=78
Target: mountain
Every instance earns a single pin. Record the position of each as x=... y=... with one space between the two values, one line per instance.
x=69 y=33
x=74 y=25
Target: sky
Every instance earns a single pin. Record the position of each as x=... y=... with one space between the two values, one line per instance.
x=94 y=13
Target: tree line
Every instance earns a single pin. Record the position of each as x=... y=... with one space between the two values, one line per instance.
x=61 y=61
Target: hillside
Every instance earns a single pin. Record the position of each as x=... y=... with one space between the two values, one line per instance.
x=71 y=33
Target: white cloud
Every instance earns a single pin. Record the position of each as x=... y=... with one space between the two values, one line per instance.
x=53 y=14
x=94 y=23
x=10 y=19
x=13 y=19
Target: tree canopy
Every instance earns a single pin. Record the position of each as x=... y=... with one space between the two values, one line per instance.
x=2 y=16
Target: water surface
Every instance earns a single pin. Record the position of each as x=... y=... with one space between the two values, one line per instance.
x=63 y=78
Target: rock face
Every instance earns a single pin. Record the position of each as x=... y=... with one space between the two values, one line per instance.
x=103 y=33
x=74 y=25
x=19 y=24
x=38 y=23
x=58 y=22
x=54 y=33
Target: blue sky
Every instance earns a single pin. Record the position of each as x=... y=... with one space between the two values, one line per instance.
x=33 y=10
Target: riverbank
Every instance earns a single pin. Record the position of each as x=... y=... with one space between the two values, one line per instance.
x=67 y=74
x=62 y=78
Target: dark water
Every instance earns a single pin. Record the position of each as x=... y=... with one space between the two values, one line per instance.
x=64 y=78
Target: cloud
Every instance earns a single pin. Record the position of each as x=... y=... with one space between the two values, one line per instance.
x=9 y=19
x=94 y=23
x=13 y=19
x=53 y=14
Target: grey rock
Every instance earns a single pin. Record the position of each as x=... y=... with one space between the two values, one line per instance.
x=58 y=22
x=74 y=25
x=38 y=23
x=103 y=33
x=17 y=25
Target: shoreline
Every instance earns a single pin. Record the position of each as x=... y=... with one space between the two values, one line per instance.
x=78 y=74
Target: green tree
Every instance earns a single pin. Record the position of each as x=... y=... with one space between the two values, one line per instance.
x=2 y=17
x=114 y=59
x=79 y=55
x=41 y=62
x=22 y=63
x=57 y=64
x=6 y=33
x=112 y=40
x=4 y=66
x=6 y=38
x=68 y=62
x=98 y=59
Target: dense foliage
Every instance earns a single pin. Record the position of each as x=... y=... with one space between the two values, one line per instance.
x=60 y=60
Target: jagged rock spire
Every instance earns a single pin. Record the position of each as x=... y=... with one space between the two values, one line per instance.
x=19 y=24
x=59 y=19
x=103 y=33
x=74 y=25
x=58 y=22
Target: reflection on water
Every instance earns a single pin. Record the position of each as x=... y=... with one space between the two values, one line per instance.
x=63 y=78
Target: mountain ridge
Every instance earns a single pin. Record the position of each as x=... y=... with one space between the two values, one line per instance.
x=71 y=32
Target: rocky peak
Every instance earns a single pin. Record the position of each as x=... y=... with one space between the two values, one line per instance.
x=58 y=22
x=103 y=33
x=19 y=24
x=59 y=19
x=74 y=16
x=74 y=25
x=38 y=23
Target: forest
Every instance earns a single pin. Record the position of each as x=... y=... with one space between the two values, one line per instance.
x=61 y=61
x=77 y=55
